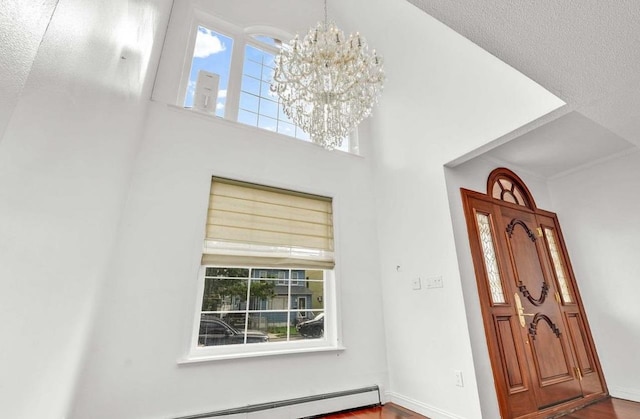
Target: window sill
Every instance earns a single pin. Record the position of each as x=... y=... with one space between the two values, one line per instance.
x=194 y=357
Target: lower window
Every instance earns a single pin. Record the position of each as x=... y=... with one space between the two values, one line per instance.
x=266 y=305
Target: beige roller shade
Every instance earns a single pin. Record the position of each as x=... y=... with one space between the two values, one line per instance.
x=294 y=225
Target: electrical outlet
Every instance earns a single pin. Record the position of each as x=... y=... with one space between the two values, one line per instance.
x=459 y=381
x=434 y=282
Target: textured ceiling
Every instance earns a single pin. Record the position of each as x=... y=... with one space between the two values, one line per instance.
x=586 y=52
x=560 y=146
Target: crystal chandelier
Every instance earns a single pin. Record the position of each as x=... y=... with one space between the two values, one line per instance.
x=327 y=83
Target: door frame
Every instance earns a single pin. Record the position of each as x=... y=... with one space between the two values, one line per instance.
x=496 y=361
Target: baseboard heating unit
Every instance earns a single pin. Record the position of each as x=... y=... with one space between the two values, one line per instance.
x=301 y=407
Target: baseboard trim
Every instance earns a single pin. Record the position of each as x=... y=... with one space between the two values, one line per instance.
x=632 y=394
x=301 y=407
x=419 y=407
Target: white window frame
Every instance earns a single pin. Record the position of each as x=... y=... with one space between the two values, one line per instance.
x=332 y=340
x=329 y=342
x=241 y=37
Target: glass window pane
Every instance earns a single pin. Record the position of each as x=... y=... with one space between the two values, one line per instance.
x=283 y=116
x=507 y=196
x=265 y=91
x=249 y=102
x=259 y=84
x=248 y=118
x=278 y=302
x=253 y=69
x=269 y=108
x=490 y=262
x=345 y=145
x=254 y=54
x=218 y=330
x=212 y=53
x=314 y=281
x=558 y=266
x=269 y=124
x=313 y=327
x=506 y=185
x=507 y=191
x=251 y=85
x=212 y=330
x=287 y=129
x=269 y=63
x=261 y=292
x=300 y=134
x=275 y=324
x=235 y=319
x=266 y=39
x=519 y=197
x=224 y=294
x=275 y=309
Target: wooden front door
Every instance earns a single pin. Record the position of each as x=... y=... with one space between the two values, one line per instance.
x=541 y=349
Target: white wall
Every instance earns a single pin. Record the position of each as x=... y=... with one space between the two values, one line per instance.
x=66 y=161
x=443 y=98
x=473 y=175
x=598 y=209
x=73 y=118
x=147 y=306
x=147 y=309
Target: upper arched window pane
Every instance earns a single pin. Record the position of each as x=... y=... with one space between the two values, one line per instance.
x=267 y=40
x=506 y=186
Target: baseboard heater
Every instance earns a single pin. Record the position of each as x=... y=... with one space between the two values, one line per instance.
x=301 y=407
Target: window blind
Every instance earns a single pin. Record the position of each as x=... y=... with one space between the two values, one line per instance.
x=253 y=225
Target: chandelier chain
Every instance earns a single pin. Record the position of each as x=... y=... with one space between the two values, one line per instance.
x=325 y=13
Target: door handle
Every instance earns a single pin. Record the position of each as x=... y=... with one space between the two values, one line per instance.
x=520 y=310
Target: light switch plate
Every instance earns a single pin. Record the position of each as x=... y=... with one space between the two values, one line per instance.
x=434 y=282
x=459 y=381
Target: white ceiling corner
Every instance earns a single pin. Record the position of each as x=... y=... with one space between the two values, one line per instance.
x=586 y=52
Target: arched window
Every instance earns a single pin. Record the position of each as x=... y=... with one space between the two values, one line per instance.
x=506 y=186
x=229 y=74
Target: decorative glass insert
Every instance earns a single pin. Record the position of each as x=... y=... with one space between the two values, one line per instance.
x=558 y=266
x=490 y=262
x=505 y=190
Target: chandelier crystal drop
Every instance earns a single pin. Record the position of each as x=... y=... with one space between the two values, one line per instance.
x=327 y=83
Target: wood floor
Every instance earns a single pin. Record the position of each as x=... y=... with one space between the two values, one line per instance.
x=388 y=411
x=608 y=409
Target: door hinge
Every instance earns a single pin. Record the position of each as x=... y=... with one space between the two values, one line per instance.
x=539 y=232
x=578 y=373
x=558 y=297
